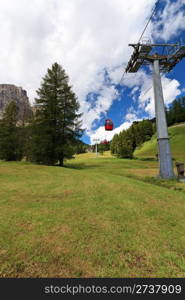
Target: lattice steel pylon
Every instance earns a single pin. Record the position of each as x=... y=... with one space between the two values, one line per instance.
x=146 y=54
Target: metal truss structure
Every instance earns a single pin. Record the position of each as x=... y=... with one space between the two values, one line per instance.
x=163 y=57
x=144 y=54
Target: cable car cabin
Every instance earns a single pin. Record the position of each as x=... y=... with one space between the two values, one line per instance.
x=105 y=142
x=108 y=124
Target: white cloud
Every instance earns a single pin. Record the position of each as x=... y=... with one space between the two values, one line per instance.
x=131 y=117
x=142 y=81
x=103 y=104
x=101 y=134
x=170 y=91
x=172 y=21
x=85 y=37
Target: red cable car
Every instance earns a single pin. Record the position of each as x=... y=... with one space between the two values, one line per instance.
x=109 y=124
x=105 y=142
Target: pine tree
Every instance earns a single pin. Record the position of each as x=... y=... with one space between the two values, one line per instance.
x=124 y=144
x=56 y=125
x=114 y=144
x=176 y=111
x=10 y=135
x=125 y=148
x=147 y=130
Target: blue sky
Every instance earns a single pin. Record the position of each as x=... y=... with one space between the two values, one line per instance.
x=90 y=40
x=128 y=100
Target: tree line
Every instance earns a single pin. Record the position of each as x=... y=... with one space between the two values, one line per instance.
x=124 y=143
x=176 y=111
x=52 y=134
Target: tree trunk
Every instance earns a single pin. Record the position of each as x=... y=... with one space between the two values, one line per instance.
x=61 y=161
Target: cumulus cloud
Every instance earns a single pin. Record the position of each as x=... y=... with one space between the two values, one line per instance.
x=89 y=39
x=103 y=103
x=101 y=134
x=141 y=82
x=170 y=21
x=171 y=89
x=84 y=36
x=131 y=117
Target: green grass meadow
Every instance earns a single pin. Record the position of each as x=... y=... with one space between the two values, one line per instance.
x=97 y=217
x=177 y=142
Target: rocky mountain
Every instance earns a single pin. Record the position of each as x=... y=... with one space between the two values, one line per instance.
x=10 y=92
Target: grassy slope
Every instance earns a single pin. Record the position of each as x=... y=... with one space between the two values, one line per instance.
x=89 y=219
x=177 y=140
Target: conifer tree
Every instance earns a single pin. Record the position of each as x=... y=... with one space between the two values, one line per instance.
x=114 y=144
x=56 y=125
x=176 y=111
x=125 y=147
x=10 y=146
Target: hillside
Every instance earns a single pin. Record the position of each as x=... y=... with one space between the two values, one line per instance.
x=93 y=218
x=177 y=141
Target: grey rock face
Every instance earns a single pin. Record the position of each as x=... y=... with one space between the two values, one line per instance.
x=10 y=92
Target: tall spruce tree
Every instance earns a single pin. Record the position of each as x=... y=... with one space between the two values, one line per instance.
x=10 y=135
x=56 y=126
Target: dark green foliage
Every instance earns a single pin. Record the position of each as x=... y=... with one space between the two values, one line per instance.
x=176 y=112
x=103 y=146
x=11 y=136
x=56 y=126
x=146 y=131
x=114 y=144
x=81 y=147
x=124 y=144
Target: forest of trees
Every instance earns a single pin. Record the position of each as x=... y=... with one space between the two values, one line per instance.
x=52 y=134
x=12 y=137
x=176 y=112
x=124 y=143
x=81 y=147
x=102 y=147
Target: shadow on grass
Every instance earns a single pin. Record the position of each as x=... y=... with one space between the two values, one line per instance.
x=165 y=183
x=80 y=166
x=147 y=159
